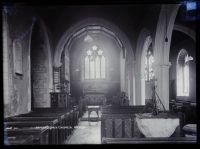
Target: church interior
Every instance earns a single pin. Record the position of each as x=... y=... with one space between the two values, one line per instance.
x=99 y=74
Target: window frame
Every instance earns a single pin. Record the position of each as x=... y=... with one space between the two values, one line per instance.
x=181 y=80
x=95 y=69
x=147 y=64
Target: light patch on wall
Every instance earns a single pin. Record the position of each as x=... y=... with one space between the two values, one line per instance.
x=17 y=52
x=88 y=39
x=29 y=91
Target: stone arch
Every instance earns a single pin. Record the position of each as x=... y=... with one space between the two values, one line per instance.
x=162 y=48
x=143 y=42
x=185 y=30
x=90 y=21
x=110 y=28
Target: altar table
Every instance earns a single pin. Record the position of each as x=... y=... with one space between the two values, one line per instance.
x=93 y=108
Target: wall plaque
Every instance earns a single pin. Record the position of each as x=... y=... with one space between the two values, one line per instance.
x=17 y=57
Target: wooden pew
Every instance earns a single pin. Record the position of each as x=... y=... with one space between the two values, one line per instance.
x=74 y=111
x=62 y=120
x=42 y=132
x=38 y=124
x=20 y=140
x=12 y=119
x=61 y=125
x=123 y=109
x=118 y=121
x=177 y=140
x=117 y=125
x=72 y=115
x=75 y=115
x=66 y=117
x=40 y=135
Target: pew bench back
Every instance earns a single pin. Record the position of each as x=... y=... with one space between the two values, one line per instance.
x=177 y=140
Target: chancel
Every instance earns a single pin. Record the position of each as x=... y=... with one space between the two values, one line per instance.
x=99 y=74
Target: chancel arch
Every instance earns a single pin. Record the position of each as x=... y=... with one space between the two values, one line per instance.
x=95 y=26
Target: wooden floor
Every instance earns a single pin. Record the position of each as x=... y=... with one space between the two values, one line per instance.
x=86 y=132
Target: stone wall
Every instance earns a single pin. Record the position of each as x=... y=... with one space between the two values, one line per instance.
x=17 y=25
x=111 y=51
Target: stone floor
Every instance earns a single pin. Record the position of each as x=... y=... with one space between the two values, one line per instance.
x=86 y=132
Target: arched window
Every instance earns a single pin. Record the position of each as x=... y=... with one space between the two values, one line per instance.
x=182 y=73
x=149 y=60
x=95 y=64
x=87 y=70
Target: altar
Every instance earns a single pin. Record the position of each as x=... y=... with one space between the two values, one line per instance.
x=93 y=108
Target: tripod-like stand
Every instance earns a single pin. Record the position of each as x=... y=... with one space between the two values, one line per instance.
x=155 y=101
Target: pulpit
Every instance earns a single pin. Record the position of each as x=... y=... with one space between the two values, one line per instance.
x=59 y=99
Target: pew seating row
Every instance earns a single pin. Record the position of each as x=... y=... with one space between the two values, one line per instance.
x=44 y=125
x=177 y=140
x=118 y=121
x=118 y=125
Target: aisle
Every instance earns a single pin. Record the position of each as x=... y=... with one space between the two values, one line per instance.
x=86 y=132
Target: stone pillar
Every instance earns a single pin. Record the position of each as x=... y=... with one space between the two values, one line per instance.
x=162 y=83
x=133 y=81
x=162 y=48
x=122 y=72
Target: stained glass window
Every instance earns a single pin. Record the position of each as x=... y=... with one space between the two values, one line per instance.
x=87 y=70
x=95 y=63
x=149 y=60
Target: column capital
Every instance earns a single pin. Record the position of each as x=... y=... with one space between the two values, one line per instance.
x=168 y=64
x=57 y=65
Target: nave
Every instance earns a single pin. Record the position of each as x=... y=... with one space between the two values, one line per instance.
x=99 y=74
